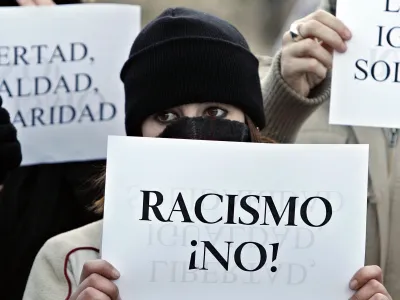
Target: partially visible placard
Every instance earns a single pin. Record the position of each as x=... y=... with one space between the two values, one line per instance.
x=366 y=78
x=59 y=77
x=212 y=220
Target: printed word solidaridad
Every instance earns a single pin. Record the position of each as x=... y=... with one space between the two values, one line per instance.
x=64 y=114
x=381 y=70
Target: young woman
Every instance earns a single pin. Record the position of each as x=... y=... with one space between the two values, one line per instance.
x=192 y=75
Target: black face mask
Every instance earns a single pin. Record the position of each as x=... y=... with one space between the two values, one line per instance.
x=200 y=128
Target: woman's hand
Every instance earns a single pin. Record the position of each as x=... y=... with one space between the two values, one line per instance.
x=35 y=2
x=367 y=283
x=96 y=282
x=305 y=63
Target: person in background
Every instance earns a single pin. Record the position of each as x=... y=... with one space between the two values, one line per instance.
x=383 y=215
x=10 y=148
x=39 y=201
x=176 y=97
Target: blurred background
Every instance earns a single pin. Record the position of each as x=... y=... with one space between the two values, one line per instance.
x=262 y=22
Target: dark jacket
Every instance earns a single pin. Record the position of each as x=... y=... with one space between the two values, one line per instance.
x=37 y=203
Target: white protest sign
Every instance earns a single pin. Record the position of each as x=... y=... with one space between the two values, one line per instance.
x=212 y=220
x=59 y=77
x=366 y=78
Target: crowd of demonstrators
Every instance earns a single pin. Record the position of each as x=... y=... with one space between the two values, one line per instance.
x=274 y=98
x=38 y=201
x=177 y=106
x=383 y=214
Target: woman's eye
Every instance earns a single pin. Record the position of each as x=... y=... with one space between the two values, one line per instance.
x=216 y=112
x=165 y=117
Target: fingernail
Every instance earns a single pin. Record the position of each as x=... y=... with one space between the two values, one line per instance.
x=116 y=274
x=353 y=284
x=347 y=34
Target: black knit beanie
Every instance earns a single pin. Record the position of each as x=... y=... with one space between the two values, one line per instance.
x=185 y=56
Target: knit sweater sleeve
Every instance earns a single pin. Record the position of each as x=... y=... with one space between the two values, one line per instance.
x=47 y=280
x=284 y=108
x=56 y=271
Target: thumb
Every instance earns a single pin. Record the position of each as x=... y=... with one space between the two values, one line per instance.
x=100 y=267
x=44 y=2
x=364 y=275
x=26 y=2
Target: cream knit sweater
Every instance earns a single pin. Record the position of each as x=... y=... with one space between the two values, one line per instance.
x=56 y=271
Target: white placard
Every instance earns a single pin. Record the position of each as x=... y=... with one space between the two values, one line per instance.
x=148 y=177
x=366 y=78
x=59 y=77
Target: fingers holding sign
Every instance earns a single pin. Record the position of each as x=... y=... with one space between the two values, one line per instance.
x=308 y=46
x=97 y=282
x=323 y=26
x=35 y=2
x=367 y=283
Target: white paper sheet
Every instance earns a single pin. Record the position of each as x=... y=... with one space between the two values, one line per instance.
x=311 y=262
x=59 y=77
x=366 y=78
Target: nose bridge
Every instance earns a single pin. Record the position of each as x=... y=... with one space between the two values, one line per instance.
x=191 y=110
